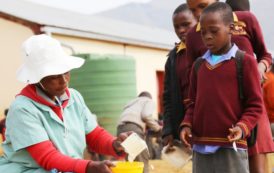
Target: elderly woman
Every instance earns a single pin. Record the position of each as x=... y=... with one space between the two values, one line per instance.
x=49 y=124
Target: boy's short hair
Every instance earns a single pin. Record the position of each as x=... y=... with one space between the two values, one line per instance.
x=239 y=5
x=181 y=8
x=145 y=94
x=222 y=8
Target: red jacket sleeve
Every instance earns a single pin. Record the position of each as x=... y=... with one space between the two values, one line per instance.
x=100 y=141
x=45 y=154
x=48 y=157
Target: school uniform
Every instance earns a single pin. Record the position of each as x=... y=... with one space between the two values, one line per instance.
x=177 y=71
x=248 y=37
x=216 y=107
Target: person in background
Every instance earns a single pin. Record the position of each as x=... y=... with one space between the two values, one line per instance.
x=136 y=116
x=2 y=130
x=236 y=5
x=247 y=35
x=177 y=71
x=48 y=124
x=268 y=93
x=3 y=124
x=219 y=126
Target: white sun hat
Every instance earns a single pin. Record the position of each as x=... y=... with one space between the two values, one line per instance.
x=43 y=56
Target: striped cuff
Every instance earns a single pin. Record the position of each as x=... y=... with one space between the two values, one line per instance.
x=184 y=125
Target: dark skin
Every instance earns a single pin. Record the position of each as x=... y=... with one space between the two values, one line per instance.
x=182 y=22
x=256 y=161
x=197 y=6
x=216 y=35
x=55 y=86
x=237 y=5
x=104 y=166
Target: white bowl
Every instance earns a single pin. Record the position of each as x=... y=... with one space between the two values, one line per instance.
x=178 y=157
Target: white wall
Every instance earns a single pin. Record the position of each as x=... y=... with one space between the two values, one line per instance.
x=11 y=37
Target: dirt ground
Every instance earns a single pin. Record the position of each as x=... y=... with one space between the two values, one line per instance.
x=161 y=166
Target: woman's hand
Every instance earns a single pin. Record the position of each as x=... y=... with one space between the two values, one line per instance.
x=99 y=166
x=117 y=142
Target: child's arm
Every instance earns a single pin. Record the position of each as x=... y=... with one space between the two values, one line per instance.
x=263 y=56
x=253 y=104
x=186 y=125
x=235 y=133
x=192 y=97
x=185 y=135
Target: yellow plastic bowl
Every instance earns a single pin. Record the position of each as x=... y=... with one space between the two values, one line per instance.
x=128 y=167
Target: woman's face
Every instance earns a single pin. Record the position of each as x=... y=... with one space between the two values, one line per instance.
x=55 y=85
x=197 y=6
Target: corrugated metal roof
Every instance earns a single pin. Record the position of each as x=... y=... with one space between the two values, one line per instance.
x=88 y=26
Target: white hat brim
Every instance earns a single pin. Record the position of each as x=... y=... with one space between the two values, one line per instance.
x=60 y=66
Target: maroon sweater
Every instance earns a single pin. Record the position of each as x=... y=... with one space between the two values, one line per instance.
x=216 y=104
x=248 y=38
x=183 y=68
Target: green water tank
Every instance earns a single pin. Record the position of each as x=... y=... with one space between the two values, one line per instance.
x=107 y=83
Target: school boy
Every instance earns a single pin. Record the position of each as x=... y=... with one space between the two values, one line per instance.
x=177 y=71
x=247 y=35
x=218 y=120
